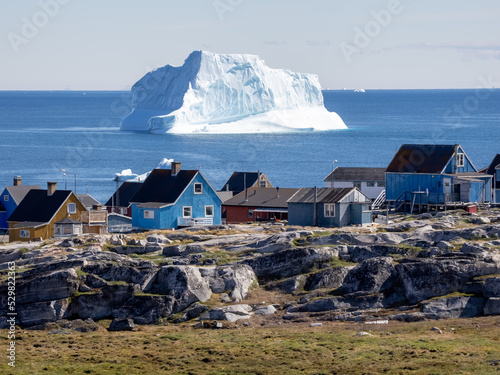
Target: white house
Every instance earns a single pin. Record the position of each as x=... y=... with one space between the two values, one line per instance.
x=371 y=181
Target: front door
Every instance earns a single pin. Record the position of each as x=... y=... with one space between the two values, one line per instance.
x=447 y=185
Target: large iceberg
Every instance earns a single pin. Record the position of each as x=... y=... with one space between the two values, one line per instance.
x=222 y=93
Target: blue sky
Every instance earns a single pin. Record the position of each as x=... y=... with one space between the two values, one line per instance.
x=110 y=44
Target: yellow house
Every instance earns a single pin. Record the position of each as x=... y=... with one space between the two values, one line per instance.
x=45 y=214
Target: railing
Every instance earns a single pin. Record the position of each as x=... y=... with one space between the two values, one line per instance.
x=379 y=201
x=193 y=222
x=94 y=217
x=120 y=228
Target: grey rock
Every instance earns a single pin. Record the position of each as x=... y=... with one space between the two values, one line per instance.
x=236 y=279
x=491 y=287
x=225 y=298
x=116 y=240
x=47 y=286
x=481 y=220
x=10 y=255
x=426 y=278
x=290 y=285
x=184 y=283
x=41 y=312
x=331 y=278
x=122 y=324
x=453 y=307
x=183 y=250
x=158 y=238
x=444 y=245
x=128 y=270
x=472 y=248
x=267 y=310
x=193 y=311
x=370 y=276
x=146 y=309
x=287 y=263
x=230 y=313
x=492 y=306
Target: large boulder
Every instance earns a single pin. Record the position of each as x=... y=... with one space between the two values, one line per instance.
x=491 y=287
x=230 y=313
x=370 y=276
x=331 y=278
x=128 y=270
x=233 y=279
x=183 y=250
x=33 y=314
x=426 y=278
x=47 y=286
x=492 y=306
x=147 y=309
x=291 y=262
x=184 y=283
x=122 y=324
x=453 y=307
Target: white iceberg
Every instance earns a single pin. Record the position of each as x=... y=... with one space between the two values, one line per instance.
x=220 y=93
x=129 y=176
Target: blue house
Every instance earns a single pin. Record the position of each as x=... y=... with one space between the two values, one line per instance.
x=435 y=175
x=10 y=198
x=329 y=207
x=494 y=170
x=172 y=198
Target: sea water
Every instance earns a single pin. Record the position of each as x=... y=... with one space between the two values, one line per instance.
x=44 y=132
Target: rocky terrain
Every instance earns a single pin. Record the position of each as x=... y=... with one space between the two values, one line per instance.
x=420 y=267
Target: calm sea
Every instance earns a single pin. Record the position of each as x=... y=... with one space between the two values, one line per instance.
x=43 y=132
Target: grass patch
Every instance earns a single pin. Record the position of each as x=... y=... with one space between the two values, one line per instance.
x=455 y=294
x=395 y=348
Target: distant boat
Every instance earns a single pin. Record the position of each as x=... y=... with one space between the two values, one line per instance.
x=359 y=90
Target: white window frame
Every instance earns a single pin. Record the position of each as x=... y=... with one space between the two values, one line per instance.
x=263 y=183
x=24 y=233
x=209 y=207
x=329 y=210
x=149 y=214
x=6 y=198
x=460 y=160
x=250 y=213
x=184 y=208
x=200 y=185
x=70 y=210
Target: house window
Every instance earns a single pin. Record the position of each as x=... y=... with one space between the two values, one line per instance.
x=370 y=184
x=186 y=211
x=357 y=185
x=263 y=183
x=460 y=160
x=6 y=198
x=149 y=214
x=250 y=213
x=329 y=209
x=209 y=211
x=71 y=208
x=198 y=188
x=23 y=233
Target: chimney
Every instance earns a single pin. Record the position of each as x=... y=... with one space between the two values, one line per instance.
x=51 y=188
x=18 y=181
x=176 y=167
x=277 y=191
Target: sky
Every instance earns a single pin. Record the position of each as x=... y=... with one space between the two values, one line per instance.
x=389 y=44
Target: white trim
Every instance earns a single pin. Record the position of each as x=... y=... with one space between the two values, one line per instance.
x=460 y=160
x=331 y=211
x=194 y=188
x=190 y=211
x=148 y=214
x=70 y=211
x=6 y=197
x=211 y=206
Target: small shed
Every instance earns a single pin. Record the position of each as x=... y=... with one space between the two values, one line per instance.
x=371 y=181
x=67 y=227
x=329 y=207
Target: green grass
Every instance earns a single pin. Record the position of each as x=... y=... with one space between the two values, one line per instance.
x=395 y=348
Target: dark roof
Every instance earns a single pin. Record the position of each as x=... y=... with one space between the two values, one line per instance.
x=493 y=165
x=262 y=197
x=125 y=192
x=19 y=192
x=88 y=200
x=324 y=195
x=236 y=182
x=68 y=220
x=421 y=158
x=37 y=206
x=356 y=174
x=161 y=186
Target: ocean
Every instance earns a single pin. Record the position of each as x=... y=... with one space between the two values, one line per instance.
x=42 y=132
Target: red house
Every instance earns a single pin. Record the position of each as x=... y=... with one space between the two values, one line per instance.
x=257 y=204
